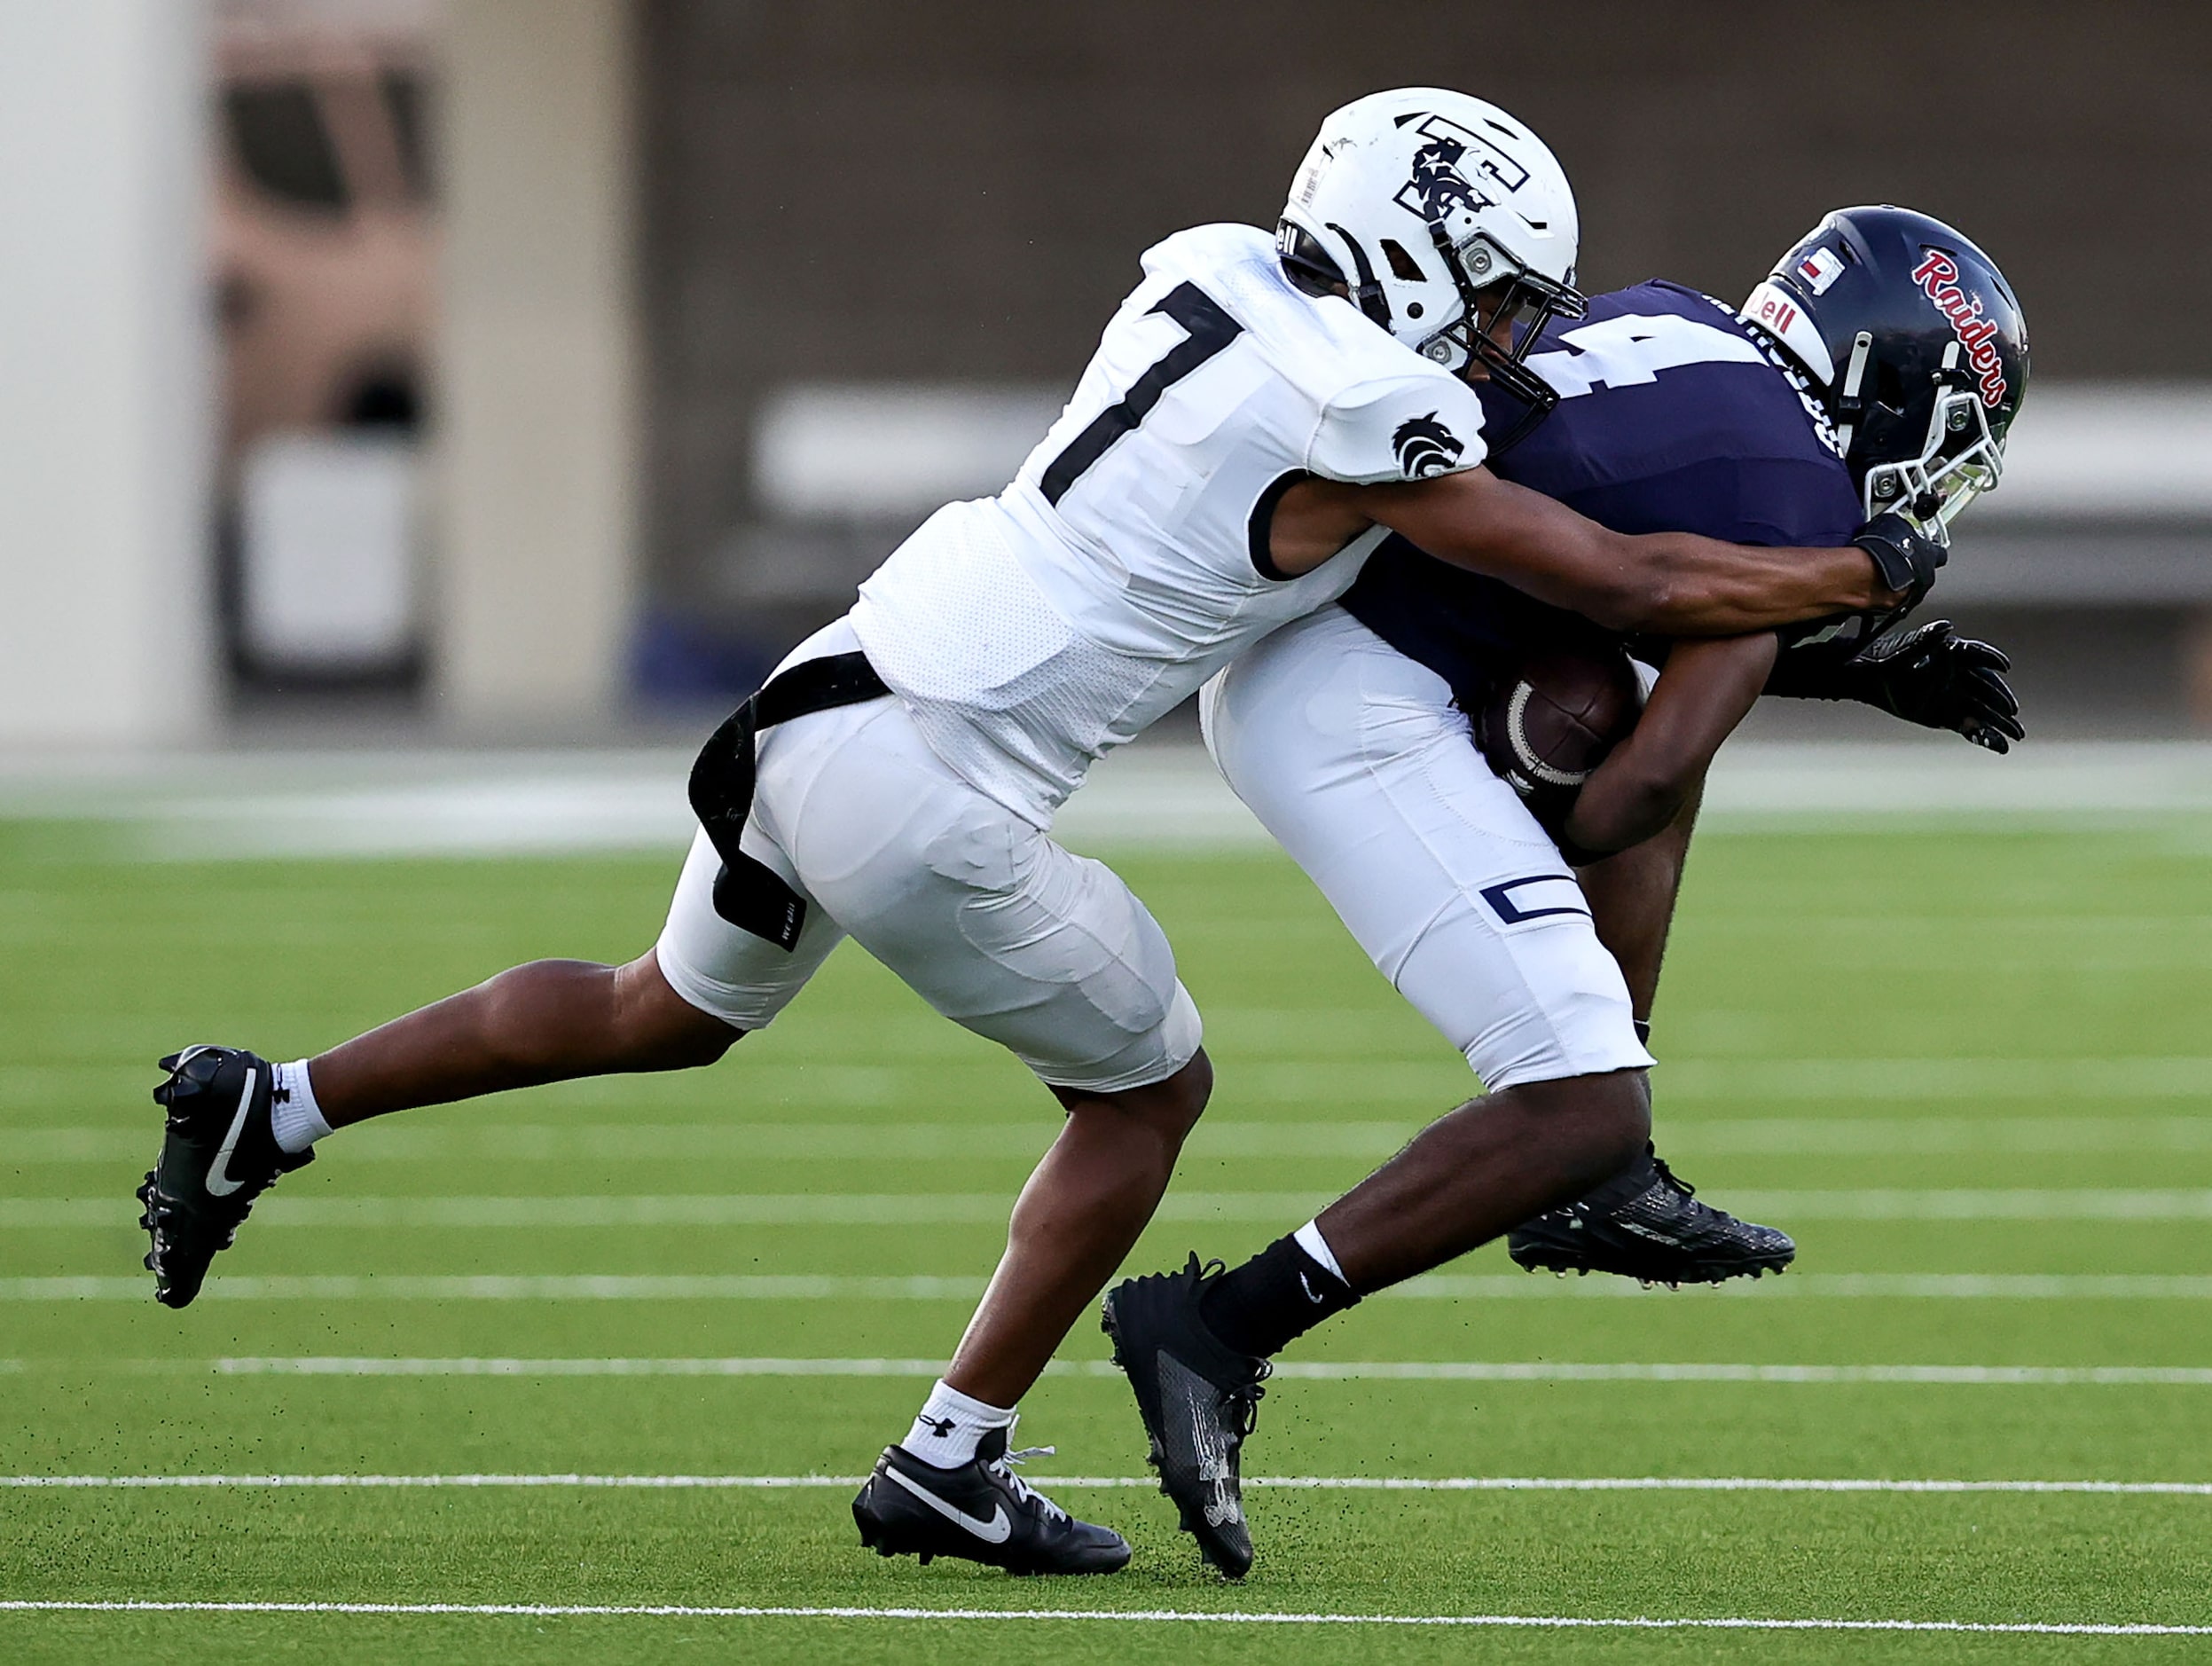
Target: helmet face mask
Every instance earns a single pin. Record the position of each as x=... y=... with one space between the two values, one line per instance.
x=1517 y=308
x=1960 y=459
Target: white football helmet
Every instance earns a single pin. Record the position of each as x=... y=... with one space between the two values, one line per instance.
x=1415 y=200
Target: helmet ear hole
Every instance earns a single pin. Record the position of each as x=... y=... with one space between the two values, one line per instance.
x=1890 y=386
x=1402 y=265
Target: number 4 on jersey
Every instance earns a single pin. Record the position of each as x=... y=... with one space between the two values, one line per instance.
x=1623 y=352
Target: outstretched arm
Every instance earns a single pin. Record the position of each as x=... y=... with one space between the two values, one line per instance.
x=1664 y=583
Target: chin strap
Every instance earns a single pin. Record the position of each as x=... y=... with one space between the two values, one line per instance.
x=1368 y=293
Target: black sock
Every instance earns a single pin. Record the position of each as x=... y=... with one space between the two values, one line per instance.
x=1280 y=1294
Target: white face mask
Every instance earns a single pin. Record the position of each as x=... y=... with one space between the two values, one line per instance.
x=1960 y=460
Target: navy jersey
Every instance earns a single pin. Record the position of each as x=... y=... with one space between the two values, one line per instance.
x=1672 y=417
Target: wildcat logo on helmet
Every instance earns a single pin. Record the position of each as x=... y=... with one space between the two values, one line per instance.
x=1440 y=187
x=1938 y=277
x=1425 y=446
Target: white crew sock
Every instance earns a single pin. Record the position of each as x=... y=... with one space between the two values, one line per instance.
x=951 y=1424
x=1308 y=1238
x=294 y=1115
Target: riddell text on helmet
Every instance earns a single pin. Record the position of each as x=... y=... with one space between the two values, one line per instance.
x=1937 y=278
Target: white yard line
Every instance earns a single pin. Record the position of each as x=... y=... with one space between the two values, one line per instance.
x=1877 y=1286
x=1140 y=1616
x=907 y=1209
x=902 y=1142
x=844 y=1287
x=1321 y=1370
x=1139 y=1483
x=2186 y=1076
x=1549 y=1371
x=599 y=1209
x=1146 y=1483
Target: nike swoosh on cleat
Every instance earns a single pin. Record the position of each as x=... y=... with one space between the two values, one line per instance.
x=995 y=1531
x=1308 y=1289
x=219 y=1183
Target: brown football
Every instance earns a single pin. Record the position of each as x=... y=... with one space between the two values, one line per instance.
x=1546 y=727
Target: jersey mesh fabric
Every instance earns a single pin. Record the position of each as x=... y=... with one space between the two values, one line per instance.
x=1002 y=686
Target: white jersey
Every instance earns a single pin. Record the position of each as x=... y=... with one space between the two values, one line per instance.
x=1031 y=633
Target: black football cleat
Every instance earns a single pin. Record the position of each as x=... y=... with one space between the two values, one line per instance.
x=1199 y=1398
x=218 y=1153
x=981 y=1511
x=1643 y=1223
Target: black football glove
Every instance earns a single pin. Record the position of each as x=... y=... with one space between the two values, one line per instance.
x=1929 y=675
x=1905 y=557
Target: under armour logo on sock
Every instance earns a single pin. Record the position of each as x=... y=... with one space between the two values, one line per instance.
x=942 y=1427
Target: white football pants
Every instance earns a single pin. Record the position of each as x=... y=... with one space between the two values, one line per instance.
x=985 y=918
x=1355 y=759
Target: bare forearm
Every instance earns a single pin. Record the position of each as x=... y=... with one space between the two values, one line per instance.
x=1707 y=688
x=1666 y=584
x=1702 y=589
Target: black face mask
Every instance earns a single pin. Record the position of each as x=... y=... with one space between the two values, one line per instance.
x=1528 y=301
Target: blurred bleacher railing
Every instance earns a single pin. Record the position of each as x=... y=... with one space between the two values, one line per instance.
x=2106 y=507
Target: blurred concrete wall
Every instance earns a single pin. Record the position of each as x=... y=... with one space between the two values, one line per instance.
x=860 y=192
x=105 y=419
x=538 y=440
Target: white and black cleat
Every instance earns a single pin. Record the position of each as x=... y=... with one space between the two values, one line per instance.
x=1646 y=1224
x=1199 y=1399
x=219 y=1152
x=981 y=1512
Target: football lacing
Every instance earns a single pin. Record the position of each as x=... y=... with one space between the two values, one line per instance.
x=1517 y=732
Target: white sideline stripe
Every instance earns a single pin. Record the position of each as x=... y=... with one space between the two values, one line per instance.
x=366 y=805
x=1319 y=1370
x=1520 y=1622
x=1289 y=1483
x=903 y=1209
x=694 y=1143
x=843 y=1287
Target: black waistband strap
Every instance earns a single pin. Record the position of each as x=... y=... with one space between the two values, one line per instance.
x=749 y=894
x=816 y=685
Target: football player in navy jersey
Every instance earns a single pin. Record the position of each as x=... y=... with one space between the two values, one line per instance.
x=1668 y=419
x=1879 y=366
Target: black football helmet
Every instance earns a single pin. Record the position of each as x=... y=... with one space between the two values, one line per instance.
x=1915 y=348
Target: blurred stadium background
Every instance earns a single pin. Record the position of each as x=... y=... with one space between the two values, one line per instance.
x=468 y=371
x=419 y=418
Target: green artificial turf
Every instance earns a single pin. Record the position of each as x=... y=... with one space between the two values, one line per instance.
x=1976 y=1011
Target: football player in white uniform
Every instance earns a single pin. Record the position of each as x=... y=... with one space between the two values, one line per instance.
x=1242 y=440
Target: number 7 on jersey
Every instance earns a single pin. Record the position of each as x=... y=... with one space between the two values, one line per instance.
x=1211 y=329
